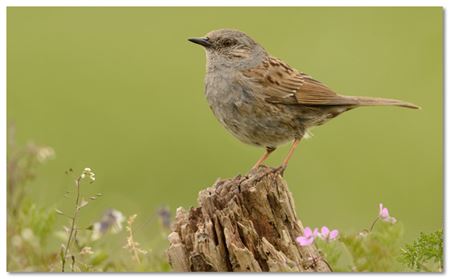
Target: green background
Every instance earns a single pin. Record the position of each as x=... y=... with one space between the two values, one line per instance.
x=120 y=90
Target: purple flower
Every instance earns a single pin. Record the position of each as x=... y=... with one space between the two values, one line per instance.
x=111 y=221
x=384 y=215
x=328 y=235
x=164 y=216
x=308 y=237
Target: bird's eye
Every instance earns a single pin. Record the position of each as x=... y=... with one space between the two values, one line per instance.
x=228 y=42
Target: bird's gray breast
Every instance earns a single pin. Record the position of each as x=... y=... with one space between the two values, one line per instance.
x=245 y=114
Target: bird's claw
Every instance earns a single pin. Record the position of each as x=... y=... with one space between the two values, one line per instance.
x=280 y=170
x=277 y=171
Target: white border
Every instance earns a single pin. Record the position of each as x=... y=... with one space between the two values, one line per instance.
x=305 y=3
x=3 y=134
x=121 y=3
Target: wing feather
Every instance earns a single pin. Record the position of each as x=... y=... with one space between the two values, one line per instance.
x=279 y=83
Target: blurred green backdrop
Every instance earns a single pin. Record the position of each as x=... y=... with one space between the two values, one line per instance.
x=120 y=90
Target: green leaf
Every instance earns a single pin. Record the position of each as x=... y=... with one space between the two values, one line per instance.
x=426 y=253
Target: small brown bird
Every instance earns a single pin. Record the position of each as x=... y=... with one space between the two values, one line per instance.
x=263 y=101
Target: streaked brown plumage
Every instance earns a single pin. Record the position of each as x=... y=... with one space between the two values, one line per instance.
x=285 y=85
x=263 y=101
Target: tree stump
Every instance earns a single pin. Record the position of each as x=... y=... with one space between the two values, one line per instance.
x=242 y=224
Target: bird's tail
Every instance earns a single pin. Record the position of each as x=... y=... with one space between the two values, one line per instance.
x=371 y=101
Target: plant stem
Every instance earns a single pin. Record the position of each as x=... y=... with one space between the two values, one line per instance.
x=373 y=223
x=74 y=219
x=134 y=248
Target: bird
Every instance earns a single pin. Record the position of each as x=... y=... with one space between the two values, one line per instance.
x=265 y=102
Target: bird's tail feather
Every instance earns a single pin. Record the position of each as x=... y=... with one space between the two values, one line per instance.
x=371 y=101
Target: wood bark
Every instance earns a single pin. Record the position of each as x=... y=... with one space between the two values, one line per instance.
x=247 y=223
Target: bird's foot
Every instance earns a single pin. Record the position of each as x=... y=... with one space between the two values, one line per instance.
x=280 y=170
x=257 y=173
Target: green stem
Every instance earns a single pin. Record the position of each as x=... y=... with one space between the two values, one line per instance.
x=373 y=223
x=74 y=219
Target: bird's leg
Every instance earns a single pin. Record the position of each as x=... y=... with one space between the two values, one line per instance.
x=283 y=166
x=264 y=157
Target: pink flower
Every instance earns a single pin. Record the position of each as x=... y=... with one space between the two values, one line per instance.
x=384 y=215
x=308 y=237
x=328 y=235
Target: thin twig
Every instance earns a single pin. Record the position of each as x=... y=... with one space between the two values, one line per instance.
x=132 y=245
x=74 y=219
x=373 y=224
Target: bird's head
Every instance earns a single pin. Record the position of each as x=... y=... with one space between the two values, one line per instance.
x=230 y=48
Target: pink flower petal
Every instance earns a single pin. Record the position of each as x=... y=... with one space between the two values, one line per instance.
x=304 y=241
x=307 y=232
x=325 y=231
x=381 y=209
x=384 y=213
x=333 y=234
x=315 y=232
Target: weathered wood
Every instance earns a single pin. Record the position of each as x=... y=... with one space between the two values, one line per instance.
x=242 y=224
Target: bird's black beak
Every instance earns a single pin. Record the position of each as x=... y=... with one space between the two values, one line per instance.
x=200 y=41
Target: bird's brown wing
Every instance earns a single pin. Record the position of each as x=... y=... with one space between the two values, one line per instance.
x=279 y=83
